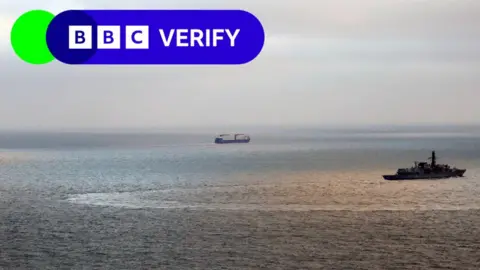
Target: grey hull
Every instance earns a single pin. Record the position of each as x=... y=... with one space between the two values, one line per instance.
x=458 y=173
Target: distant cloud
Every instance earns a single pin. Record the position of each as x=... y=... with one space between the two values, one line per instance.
x=373 y=49
x=324 y=62
x=6 y=23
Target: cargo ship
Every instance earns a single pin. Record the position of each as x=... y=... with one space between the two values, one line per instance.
x=232 y=138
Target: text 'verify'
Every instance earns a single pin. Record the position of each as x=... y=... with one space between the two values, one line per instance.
x=197 y=37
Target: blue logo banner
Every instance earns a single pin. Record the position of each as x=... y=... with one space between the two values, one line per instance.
x=155 y=37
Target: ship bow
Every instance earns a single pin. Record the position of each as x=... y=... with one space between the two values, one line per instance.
x=460 y=173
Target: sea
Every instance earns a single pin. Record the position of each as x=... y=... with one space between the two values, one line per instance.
x=299 y=198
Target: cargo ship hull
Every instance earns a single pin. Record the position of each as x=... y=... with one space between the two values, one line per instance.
x=231 y=141
x=227 y=138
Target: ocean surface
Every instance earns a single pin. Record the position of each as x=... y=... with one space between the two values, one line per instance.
x=296 y=199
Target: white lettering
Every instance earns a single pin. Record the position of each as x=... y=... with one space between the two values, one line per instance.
x=167 y=41
x=232 y=37
x=216 y=37
x=181 y=35
x=207 y=38
x=197 y=37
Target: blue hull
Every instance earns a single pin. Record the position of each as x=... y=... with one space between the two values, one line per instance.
x=231 y=141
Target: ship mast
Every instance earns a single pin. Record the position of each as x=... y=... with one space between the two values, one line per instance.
x=434 y=159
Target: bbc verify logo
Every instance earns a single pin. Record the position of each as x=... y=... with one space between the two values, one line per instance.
x=137 y=37
x=108 y=37
x=141 y=37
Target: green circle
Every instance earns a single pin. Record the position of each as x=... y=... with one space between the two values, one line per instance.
x=29 y=37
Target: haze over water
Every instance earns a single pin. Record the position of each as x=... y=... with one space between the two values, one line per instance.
x=292 y=198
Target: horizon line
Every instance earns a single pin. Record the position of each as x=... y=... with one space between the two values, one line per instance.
x=230 y=128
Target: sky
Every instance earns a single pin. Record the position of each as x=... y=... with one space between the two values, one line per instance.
x=325 y=62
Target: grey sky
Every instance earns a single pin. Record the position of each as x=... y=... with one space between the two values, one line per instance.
x=325 y=62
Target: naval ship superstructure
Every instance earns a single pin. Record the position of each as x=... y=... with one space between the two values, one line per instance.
x=425 y=170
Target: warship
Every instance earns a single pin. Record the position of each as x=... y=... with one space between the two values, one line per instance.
x=425 y=170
